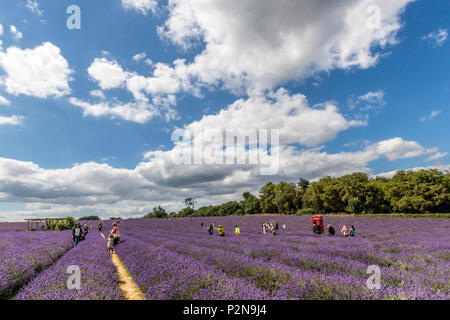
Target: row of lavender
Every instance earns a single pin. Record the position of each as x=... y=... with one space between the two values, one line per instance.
x=177 y=259
x=24 y=254
x=97 y=275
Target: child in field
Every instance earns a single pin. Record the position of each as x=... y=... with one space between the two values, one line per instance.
x=110 y=243
x=237 y=230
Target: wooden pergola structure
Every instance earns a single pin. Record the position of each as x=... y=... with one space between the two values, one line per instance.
x=37 y=221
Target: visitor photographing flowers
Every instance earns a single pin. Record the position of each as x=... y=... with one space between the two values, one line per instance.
x=221 y=231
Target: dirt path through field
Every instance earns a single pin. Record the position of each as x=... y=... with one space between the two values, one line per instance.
x=129 y=288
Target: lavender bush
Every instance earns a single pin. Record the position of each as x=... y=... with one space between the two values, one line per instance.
x=178 y=259
x=24 y=254
x=295 y=264
x=98 y=275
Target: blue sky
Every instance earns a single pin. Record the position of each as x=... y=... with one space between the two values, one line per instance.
x=403 y=94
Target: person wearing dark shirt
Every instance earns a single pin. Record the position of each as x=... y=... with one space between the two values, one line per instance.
x=316 y=229
x=331 y=231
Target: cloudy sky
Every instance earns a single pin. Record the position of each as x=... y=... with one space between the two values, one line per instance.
x=87 y=115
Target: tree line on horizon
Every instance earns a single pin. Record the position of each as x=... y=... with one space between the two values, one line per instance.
x=422 y=191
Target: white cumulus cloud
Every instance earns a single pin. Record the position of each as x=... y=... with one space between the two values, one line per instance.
x=257 y=45
x=39 y=72
x=139 y=112
x=109 y=74
x=141 y=6
x=139 y=56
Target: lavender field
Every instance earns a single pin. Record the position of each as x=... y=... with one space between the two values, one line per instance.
x=24 y=254
x=178 y=259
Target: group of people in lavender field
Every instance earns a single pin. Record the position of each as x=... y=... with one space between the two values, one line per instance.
x=346 y=231
x=79 y=233
x=273 y=227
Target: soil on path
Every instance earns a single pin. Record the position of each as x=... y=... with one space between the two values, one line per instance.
x=129 y=288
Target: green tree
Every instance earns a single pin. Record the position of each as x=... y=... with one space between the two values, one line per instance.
x=354 y=206
x=312 y=198
x=285 y=197
x=267 y=198
x=189 y=203
x=331 y=195
x=250 y=204
x=302 y=186
x=157 y=212
x=230 y=208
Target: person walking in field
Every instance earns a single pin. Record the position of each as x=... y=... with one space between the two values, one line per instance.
x=237 y=230
x=283 y=226
x=99 y=226
x=110 y=243
x=116 y=233
x=221 y=231
x=84 y=232
x=331 y=230
x=76 y=234
x=211 y=229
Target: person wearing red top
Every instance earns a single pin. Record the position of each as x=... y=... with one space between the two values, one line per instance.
x=116 y=233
